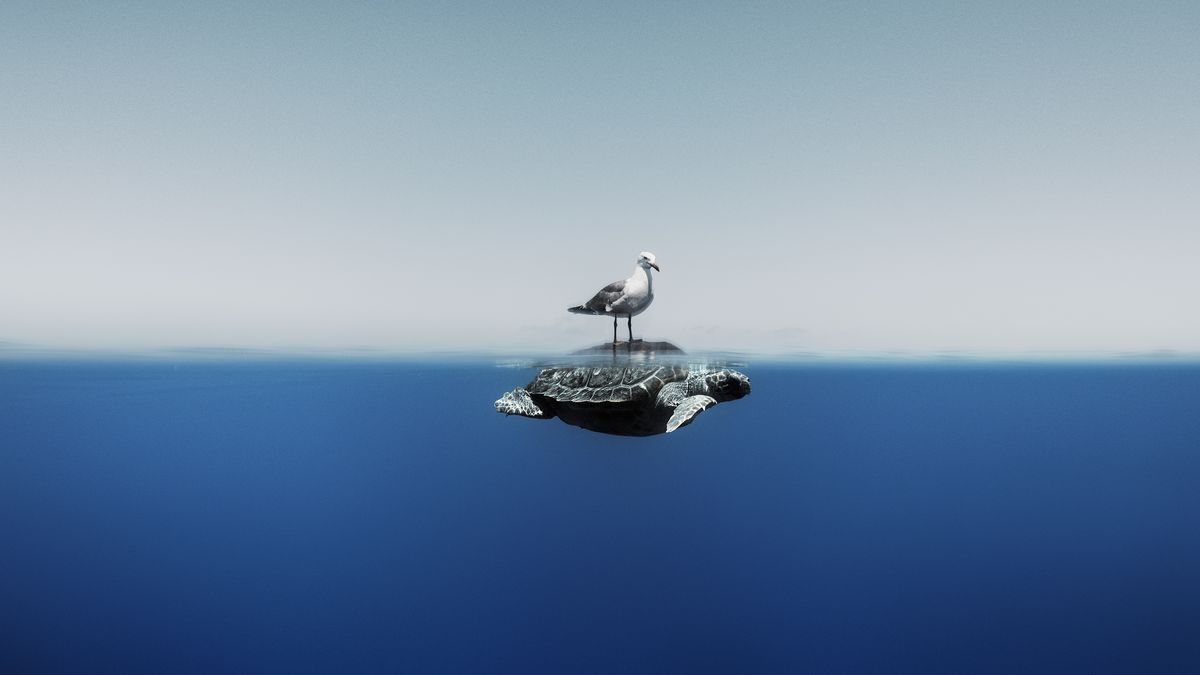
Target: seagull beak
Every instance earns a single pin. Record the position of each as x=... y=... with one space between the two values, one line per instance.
x=655 y=266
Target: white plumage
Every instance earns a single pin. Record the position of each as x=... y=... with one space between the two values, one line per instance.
x=626 y=298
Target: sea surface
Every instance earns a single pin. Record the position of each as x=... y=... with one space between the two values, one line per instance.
x=353 y=516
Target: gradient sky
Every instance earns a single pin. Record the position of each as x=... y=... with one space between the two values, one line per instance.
x=819 y=176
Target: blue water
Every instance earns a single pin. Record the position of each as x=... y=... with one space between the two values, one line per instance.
x=326 y=517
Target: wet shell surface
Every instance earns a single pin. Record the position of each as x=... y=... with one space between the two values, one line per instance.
x=605 y=384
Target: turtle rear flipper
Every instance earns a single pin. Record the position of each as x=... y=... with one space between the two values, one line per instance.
x=518 y=402
x=686 y=410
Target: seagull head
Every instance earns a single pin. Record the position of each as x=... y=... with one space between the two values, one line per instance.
x=647 y=260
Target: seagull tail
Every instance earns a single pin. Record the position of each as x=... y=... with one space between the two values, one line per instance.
x=582 y=309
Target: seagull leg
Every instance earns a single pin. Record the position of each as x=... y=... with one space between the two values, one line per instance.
x=630 y=318
x=614 y=330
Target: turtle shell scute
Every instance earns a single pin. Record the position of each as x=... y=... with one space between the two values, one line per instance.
x=604 y=385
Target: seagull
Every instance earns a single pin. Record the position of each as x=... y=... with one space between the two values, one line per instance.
x=626 y=298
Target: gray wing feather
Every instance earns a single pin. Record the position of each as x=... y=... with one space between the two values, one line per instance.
x=601 y=301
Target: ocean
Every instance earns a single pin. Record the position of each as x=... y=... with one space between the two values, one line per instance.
x=356 y=516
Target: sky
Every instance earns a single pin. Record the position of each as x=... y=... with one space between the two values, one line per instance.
x=918 y=176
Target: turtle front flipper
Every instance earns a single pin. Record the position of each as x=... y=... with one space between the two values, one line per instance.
x=687 y=409
x=518 y=402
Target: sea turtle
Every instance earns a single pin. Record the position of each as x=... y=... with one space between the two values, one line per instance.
x=630 y=400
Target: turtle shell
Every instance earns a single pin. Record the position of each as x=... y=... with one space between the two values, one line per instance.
x=605 y=384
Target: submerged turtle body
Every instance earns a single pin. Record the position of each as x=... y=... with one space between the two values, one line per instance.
x=628 y=400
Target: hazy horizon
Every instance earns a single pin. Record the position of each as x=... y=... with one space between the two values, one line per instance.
x=933 y=177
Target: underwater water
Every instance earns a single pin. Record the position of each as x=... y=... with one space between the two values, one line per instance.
x=347 y=516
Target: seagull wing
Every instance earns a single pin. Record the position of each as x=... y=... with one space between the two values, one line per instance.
x=602 y=301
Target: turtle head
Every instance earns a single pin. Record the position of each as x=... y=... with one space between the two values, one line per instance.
x=647 y=260
x=724 y=385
